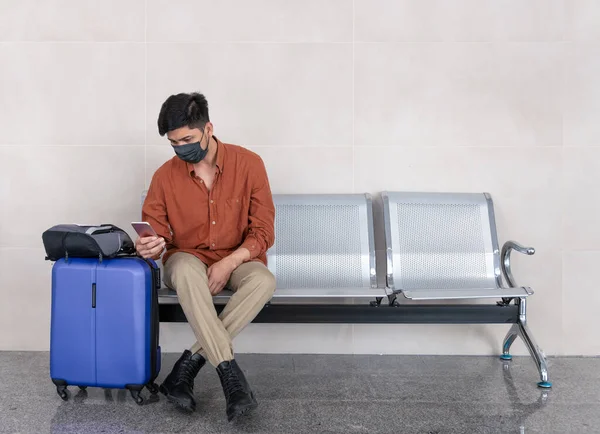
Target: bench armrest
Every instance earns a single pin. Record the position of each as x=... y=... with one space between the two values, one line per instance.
x=507 y=249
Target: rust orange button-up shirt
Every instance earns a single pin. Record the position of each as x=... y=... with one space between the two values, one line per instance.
x=237 y=212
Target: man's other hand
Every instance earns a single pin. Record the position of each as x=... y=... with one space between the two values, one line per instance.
x=150 y=247
x=218 y=275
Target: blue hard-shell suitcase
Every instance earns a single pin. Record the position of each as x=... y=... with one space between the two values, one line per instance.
x=104 y=327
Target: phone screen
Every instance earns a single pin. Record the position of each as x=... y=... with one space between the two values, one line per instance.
x=144 y=229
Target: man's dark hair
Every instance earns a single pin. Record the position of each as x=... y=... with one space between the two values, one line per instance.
x=183 y=110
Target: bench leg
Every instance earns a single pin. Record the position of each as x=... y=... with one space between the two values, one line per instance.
x=522 y=329
x=512 y=334
x=537 y=354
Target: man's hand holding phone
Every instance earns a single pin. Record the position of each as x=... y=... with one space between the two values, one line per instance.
x=148 y=245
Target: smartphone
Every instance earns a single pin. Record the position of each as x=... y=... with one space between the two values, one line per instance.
x=144 y=229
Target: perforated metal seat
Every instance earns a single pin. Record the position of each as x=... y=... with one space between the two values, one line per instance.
x=443 y=246
x=324 y=248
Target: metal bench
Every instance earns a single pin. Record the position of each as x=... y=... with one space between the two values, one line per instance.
x=439 y=247
x=444 y=246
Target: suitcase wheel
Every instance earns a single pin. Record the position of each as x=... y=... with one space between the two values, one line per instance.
x=62 y=392
x=135 y=394
x=82 y=387
x=61 y=389
x=137 y=397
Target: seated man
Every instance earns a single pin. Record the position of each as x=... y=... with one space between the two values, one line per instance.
x=212 y=208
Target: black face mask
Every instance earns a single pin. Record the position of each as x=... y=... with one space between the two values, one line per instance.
x=191 y=152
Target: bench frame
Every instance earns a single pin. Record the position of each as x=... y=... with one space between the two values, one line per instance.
x=520 y=328
x=374 y=312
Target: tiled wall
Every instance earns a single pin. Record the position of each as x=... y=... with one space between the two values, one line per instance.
x=336 y=96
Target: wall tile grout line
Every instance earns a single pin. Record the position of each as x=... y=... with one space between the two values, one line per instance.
x=352 y=327
x=562 y=198
x=353 y=111
x=59 y=145
x=223 y=42
x=21 y=248
x=73 y=42
x=145 y=93
x=66 y=145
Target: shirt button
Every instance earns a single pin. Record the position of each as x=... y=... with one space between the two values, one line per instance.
x=214 y=222
x=212 y=201
x=201 y=181
x=213 y=244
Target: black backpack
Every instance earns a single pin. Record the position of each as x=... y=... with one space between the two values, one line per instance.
x=76 y=241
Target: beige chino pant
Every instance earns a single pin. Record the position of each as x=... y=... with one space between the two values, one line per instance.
x=253 y=286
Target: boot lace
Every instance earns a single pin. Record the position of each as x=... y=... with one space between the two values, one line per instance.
x=188 y=371
x=232 y=382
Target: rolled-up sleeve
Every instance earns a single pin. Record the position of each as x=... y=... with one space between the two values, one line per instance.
x=154 y=210
x=261 y=218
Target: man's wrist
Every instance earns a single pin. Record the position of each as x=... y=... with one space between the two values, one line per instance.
x=237 y=258
x=230 y=262
x=159 y=254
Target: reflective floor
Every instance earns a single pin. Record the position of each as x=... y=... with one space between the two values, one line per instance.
x=325 y=394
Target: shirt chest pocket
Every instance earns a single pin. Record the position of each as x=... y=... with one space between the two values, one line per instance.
x=234 y=215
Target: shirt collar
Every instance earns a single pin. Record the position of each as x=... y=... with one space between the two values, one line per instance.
x=220 y=154
x=220 y=157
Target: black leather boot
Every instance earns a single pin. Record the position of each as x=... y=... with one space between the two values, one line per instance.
x=238 y=395
x=179 y=384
